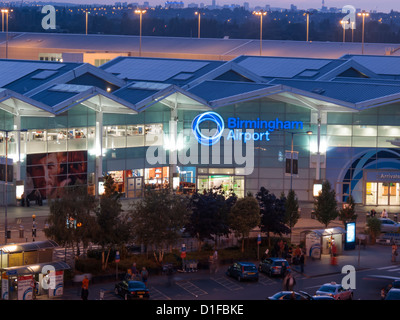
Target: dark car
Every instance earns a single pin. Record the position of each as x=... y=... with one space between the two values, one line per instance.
x=393 y=294
x=274 y=266
x=130 y=289
x=243 y=271
x=293 y=295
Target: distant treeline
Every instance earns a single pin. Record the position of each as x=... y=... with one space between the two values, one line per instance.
x=235 y=24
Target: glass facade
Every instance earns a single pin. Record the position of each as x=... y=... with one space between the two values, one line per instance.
x=351 y=145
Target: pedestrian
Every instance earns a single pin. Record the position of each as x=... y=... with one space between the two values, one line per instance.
x=215 y=260
x=301 y=262
x=145 y=275
x=283 y=269
x=291 y=282
x=394 y=252
x=384 y=214
x=134 y=271
x=85 y=288
x=373 y=213
x=383 y=294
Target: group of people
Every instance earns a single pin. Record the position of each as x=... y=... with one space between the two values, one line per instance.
x=134 y=274
x=384 y=213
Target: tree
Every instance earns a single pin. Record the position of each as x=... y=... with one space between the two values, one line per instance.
x=272 y=211
x=112 y=223
x=292 y=214
x=158 y=220
x=210 y=211
x=71 y=220
x=348 y=212
x=245 y=215
x=373 y=228
x=325 y=205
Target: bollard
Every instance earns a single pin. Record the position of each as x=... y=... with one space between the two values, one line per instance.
x=21 y=231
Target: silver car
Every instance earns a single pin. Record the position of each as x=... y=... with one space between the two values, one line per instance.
x=388 y=225
x=336 y=291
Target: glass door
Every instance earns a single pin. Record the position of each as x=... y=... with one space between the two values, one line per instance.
x=371 y=193
x=383 y=193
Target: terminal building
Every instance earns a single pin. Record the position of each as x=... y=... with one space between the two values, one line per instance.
x=198 y=124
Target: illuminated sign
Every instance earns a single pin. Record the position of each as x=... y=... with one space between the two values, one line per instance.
x=236 y=126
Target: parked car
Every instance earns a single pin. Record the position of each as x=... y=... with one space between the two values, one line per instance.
x=243 y=271
x=293 y=295
x=388 y=225
x=335 y=290
x=130 y=289
x=393 y=294
x=273 y=266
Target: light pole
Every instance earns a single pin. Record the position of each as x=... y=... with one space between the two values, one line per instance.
x=87 y=13
x=5 y=11
x=291 y=155
x=343 y=23
x=198 y=13
x=260 y=13
x=140 y=12
x=307 y=14
x=363 y=14
x=6 y=182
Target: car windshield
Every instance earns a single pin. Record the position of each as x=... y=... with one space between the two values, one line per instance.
x=136 y=285
x=279 y=263
x=330 y=289
x=250 y=268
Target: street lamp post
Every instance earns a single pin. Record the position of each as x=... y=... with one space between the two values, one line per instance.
x=291 y=155
x=344 y=23
x=140 y=12
x=87 y=18
x=307 y=14
x=5 y=11
x=198 y=13
x=260 y=13
x=363 y=14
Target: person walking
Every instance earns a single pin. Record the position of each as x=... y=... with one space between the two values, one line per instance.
x=289 y=282
x=384 y=214
x=134 y=271
x=301 y=262
x=145 y=275
x=85 y=288
x=394 y=252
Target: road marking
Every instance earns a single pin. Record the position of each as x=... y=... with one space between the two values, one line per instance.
x=227 y=283
x=392 y=270
x=265 y=280
x=191 y=288
x=158 y=295
x=383 y=268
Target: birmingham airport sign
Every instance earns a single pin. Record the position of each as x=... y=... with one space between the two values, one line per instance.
x=236 y=126
x=203 y=146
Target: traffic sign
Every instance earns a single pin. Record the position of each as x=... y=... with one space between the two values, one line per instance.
x=117 y=257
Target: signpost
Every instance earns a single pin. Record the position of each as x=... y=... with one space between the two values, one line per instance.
x=117 y=260
x=258 y=246
x=183 y=255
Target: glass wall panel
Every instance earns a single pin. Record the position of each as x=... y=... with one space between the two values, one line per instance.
x=389 y=131
x=371 y=193
x=339 y=130
x=364 y=142
x=363 y=130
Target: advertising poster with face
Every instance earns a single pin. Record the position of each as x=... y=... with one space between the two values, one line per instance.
x=48 y=173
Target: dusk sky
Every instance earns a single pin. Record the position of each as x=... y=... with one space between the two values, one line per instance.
x=380 y=6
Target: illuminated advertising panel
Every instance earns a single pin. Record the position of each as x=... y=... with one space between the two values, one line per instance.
x=48 y=173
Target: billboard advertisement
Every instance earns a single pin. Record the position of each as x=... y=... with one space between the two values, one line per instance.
x=48 y=173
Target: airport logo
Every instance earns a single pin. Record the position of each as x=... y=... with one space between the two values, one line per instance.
x=201 y=137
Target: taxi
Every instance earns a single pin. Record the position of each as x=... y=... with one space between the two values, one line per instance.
x=335 y=290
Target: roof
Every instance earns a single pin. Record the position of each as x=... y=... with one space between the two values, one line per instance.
x=190 y=48
x=36 y=268
x=329 y=231
x=29 y=246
